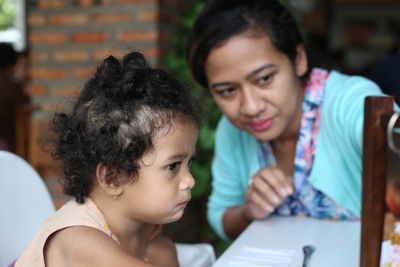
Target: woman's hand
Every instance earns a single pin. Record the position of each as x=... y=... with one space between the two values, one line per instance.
x=268 y=189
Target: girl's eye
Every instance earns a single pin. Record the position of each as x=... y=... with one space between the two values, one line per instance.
x=174 y=166
x=190 y=162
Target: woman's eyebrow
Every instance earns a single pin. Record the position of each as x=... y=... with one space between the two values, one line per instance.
x=256 y=71
x=248 y=76
x=214 y=85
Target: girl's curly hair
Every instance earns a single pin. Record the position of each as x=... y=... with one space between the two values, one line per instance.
x=115 y=118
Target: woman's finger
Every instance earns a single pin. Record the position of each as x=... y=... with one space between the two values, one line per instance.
x=256 y=206
x=277 y=180
x=265 y=191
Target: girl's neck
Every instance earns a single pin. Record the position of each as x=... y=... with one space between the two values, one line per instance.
x=132 y=235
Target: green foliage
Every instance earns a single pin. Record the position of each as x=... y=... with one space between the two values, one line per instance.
x=7 y=13
x=175 y=62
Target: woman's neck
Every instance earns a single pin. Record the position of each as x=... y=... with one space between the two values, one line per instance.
x=284 y=147
x=284 y=153
x=292 y=130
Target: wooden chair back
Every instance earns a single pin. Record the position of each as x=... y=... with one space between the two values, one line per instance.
x=376 y=155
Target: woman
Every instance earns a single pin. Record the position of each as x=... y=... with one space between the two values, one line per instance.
x=290 y=140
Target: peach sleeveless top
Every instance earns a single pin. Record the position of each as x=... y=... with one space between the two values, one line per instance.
x=71 y=214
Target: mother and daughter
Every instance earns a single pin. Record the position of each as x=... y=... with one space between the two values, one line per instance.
x=289 y=142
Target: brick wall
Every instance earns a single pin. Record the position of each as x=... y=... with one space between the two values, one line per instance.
x=68 y=38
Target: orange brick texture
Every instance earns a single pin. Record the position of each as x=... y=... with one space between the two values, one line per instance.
x=67 y=39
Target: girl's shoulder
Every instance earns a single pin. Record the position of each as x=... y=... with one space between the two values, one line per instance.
x=86 y=246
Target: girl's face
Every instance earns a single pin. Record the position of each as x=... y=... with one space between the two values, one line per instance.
x=256 y=86
x=162 y=190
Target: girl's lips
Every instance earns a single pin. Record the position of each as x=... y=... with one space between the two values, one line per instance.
x=261 y=125
x=184 y=203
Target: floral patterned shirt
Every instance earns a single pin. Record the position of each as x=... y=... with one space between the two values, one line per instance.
x=307 y=200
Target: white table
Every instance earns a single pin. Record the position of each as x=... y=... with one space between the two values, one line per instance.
x=337 y=242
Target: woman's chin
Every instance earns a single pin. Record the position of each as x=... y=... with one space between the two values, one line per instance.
x=264 y=136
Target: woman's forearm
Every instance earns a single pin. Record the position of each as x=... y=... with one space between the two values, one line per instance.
x=235 y=221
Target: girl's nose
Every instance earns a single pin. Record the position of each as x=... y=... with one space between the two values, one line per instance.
x=251 y=102
x=188 y=182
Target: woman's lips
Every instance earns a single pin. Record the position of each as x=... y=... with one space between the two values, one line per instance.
x=261 y=125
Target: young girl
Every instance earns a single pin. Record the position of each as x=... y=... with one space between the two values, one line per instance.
x=126 y=148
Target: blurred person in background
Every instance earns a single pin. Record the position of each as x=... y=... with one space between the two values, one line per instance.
x=12 y=96
x=386 y=73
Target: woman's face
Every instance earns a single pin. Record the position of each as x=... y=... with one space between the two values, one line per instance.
x=256 y=86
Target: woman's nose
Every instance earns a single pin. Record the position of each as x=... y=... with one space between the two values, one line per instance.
x=251 y=102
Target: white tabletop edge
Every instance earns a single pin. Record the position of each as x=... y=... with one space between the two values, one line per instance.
x=337 y=242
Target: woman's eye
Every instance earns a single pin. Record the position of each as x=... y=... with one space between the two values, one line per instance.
x=226 y=91
x=174 y=166
x=264 y=79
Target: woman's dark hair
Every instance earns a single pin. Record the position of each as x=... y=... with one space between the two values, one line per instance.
x=115 y=118
x=223 y=19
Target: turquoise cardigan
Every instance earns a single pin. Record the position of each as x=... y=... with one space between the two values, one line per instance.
x=337 y=163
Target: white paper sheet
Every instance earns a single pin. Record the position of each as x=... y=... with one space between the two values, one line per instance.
x=257 y=257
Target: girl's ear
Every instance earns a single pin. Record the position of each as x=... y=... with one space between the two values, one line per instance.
x=107 y=177
x=301 y=61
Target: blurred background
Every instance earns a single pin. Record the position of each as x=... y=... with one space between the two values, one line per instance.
x=59 y=42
